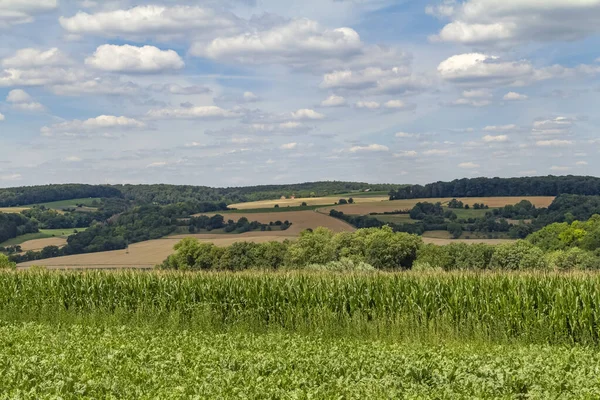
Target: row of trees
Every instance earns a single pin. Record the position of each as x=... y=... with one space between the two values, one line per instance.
x=490 y=187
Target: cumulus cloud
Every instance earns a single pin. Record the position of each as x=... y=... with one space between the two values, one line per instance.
x=14 y=12
x=581 y=163
x=468 y=165
x=129 y=58
x=405 y=135
x=471 y=102
x=558 y=126
x=476 y=94
x=436 y=152
x=250 y=97
x=72 y=159
x=371 y=105
x=2 y=117
x=21 y=100
x=369 y=148
x=514 y=96
x=501 y=128
x=102 y=122
x=406 y=154
x=495 y=139
x=334 y=101
x=396 y=105
x=558 y=168
x=150 y=21
x=553 y=143
x=307 y=114
x=508 y=22
x=10 y=177
x=288 y=146
x=195 y=112
x=43 y=76
x=297 y=43
x=478 y=69
x=396 y=80
x=31 y=58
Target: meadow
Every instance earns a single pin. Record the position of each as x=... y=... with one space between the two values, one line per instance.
x=254 y=335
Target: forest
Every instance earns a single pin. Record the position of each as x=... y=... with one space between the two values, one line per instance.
x=490 y=187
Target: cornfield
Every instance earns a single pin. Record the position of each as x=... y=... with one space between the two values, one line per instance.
x=525 y=306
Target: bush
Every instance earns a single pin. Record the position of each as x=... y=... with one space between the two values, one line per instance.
x=343 y=265
x=520 y=255
x=575 y=258
x=5 y=263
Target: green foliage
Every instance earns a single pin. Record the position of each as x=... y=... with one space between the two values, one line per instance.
x=572 y=259
x=520 y=255
x=5 y=263
x=562 y=236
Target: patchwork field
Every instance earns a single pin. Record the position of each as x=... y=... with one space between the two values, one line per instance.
x=325 y=201
x=39 y=244
x=389 y=206
x=12 y=210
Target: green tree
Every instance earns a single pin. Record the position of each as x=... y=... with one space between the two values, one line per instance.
x=5 y=263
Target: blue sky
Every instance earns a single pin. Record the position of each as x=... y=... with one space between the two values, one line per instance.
x=246 y=92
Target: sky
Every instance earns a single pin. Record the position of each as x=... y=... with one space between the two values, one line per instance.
x=248 y=92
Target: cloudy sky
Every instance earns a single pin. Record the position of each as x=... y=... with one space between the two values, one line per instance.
x=240 y=92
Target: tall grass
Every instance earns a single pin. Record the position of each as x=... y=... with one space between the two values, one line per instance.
x=523 y=306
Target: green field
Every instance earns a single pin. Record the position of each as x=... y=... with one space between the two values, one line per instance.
x=42 y=234
x=132 y=362
x=72 y=203
x=396 y=218
x=261 y=335
x=461 y=213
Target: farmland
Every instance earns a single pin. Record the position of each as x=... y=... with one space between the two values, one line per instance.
x=33 y=241
x=222 y=335
x=312 y=201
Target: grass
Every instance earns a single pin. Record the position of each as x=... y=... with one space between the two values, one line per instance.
x=72 y=203
x=396 y=218
x=461 y=213
x=42 y=234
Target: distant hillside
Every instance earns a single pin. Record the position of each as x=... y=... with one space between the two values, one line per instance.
x=488 y=187
x=170 y=194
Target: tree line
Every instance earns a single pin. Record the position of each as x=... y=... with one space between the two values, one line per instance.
x=491 y=187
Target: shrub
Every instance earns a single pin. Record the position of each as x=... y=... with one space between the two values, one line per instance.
x=5 y=263
x=343 y=265
x=520 y=255
x=575 y=258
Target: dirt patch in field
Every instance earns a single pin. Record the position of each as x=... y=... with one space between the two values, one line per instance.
x=314 y=201
x=39 y=244
x=12 y=210
x=389 y=206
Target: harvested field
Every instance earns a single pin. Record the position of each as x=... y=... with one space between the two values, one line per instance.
x=12 y=210
x=309 y=201
x=39 y=244
x=301 y=220
x=443 y=242
x=148 y=254
x=388 y=206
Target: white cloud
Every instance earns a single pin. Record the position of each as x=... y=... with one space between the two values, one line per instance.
x=179 y=90
x=298 y=43
x=42 y=76
x=471 y=102
x=21 y=100
x=501 y=128
x=13 y=12
x=495 y=139
x=128 y=58
x=11 y=177
x=250 y=97
x=436 y=152
x=199 y=112
x=334 y=101
x=514 y=96
x=18 y=96
x=32 y=58
x=508 y=22
x=553 y=143
x=288 y=146
x=371 y=105
x=376 y=80
x=479 y=69
x=406 y=154
x=581 y=163
x=468 y=165
x=149 y=21
x=157 y=164
x=405 y=135
x=476 y=94
x=369 y=148
x=395 y=105
x=550 y=127
x=307 y=114
x=559 y=168
x=102 y=122
x=2 y=117
x=72 y=159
